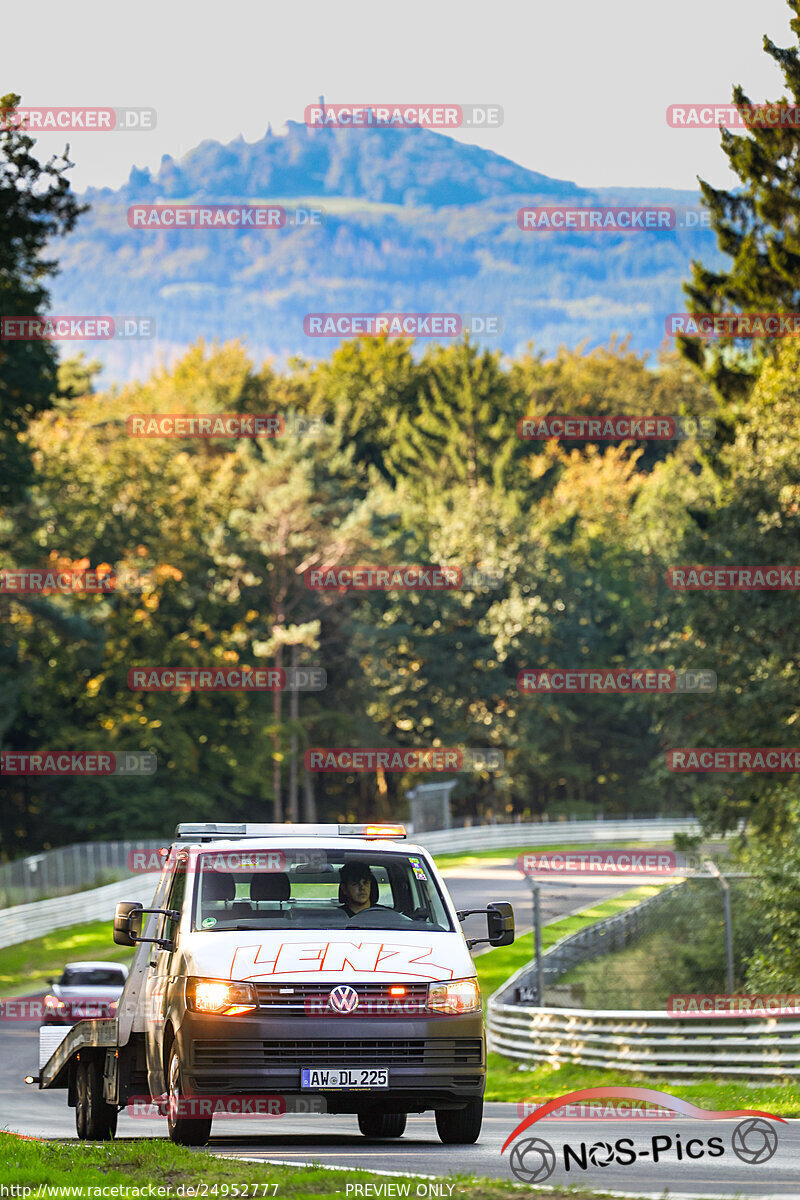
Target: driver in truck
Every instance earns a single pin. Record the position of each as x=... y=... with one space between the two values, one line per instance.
x=358 y=888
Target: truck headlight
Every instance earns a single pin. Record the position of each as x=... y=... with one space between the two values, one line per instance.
x=220 y=996
x=53 y=1002
x=459 y=996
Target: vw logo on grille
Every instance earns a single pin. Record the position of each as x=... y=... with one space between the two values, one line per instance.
x=343 y=999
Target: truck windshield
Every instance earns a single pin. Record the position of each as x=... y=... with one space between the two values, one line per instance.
x=316 y=889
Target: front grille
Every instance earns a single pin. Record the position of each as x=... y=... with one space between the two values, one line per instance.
x=411 y=1052
x=312 y=998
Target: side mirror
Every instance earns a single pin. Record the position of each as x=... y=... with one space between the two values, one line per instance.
x=500 y=919
x=51 y=982
x=127 y=923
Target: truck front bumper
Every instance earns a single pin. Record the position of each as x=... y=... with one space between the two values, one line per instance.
x=433 y=1062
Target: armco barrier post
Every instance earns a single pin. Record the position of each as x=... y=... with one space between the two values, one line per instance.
x=726 y=908
x=537 y=938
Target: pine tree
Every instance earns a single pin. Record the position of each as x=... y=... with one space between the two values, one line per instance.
x=758 y=226
x=463 y=430
x=35 y=206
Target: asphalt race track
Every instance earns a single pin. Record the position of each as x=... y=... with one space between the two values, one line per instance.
x=336 y=1141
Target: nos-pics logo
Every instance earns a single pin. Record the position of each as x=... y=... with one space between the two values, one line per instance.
x=533 y=1159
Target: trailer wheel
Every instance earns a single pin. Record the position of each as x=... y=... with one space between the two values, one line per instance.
x=382 y=1125
x=185 y=1131
x=460 y=1126
x=95 y=1120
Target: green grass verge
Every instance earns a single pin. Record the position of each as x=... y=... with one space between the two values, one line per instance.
x=496 y=966
x=26 y=966
x=135 y=1164
x=626 y=978
x=505 y=1081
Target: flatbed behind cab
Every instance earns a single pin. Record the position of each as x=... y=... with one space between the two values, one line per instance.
x=101 y=1063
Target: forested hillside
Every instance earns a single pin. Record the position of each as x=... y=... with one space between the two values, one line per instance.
x=415 y=460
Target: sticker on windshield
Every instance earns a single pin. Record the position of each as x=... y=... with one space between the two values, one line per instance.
x=209 y=922
x=416 y=867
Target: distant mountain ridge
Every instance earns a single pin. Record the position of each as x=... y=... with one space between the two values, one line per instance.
x=416 y=221
x=395 y=166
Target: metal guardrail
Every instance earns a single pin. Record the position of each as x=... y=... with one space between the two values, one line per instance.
x=66 y=870
x=646 y=1041
x=650 y=1042
x=27 y=921
x=603 y=937
x=554 y=833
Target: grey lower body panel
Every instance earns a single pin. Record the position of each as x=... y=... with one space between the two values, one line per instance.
x=433 y=1062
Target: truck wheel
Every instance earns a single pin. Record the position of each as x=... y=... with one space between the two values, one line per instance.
x=95 y=1120
x=382 y=1125
x=185 y=1131
x=81 y=1100
x=460 y=1126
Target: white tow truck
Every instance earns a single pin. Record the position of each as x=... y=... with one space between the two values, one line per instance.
x=323 y=961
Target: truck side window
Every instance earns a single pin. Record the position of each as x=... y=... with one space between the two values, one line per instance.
x=177 y=891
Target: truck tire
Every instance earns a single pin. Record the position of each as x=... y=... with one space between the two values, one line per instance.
x=460 y=1126
x=95 y=1120
x=184 y=1131
x=382 y=1125
x=81 y=1101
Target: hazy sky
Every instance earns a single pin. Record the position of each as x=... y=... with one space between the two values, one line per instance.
x=584 y=83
